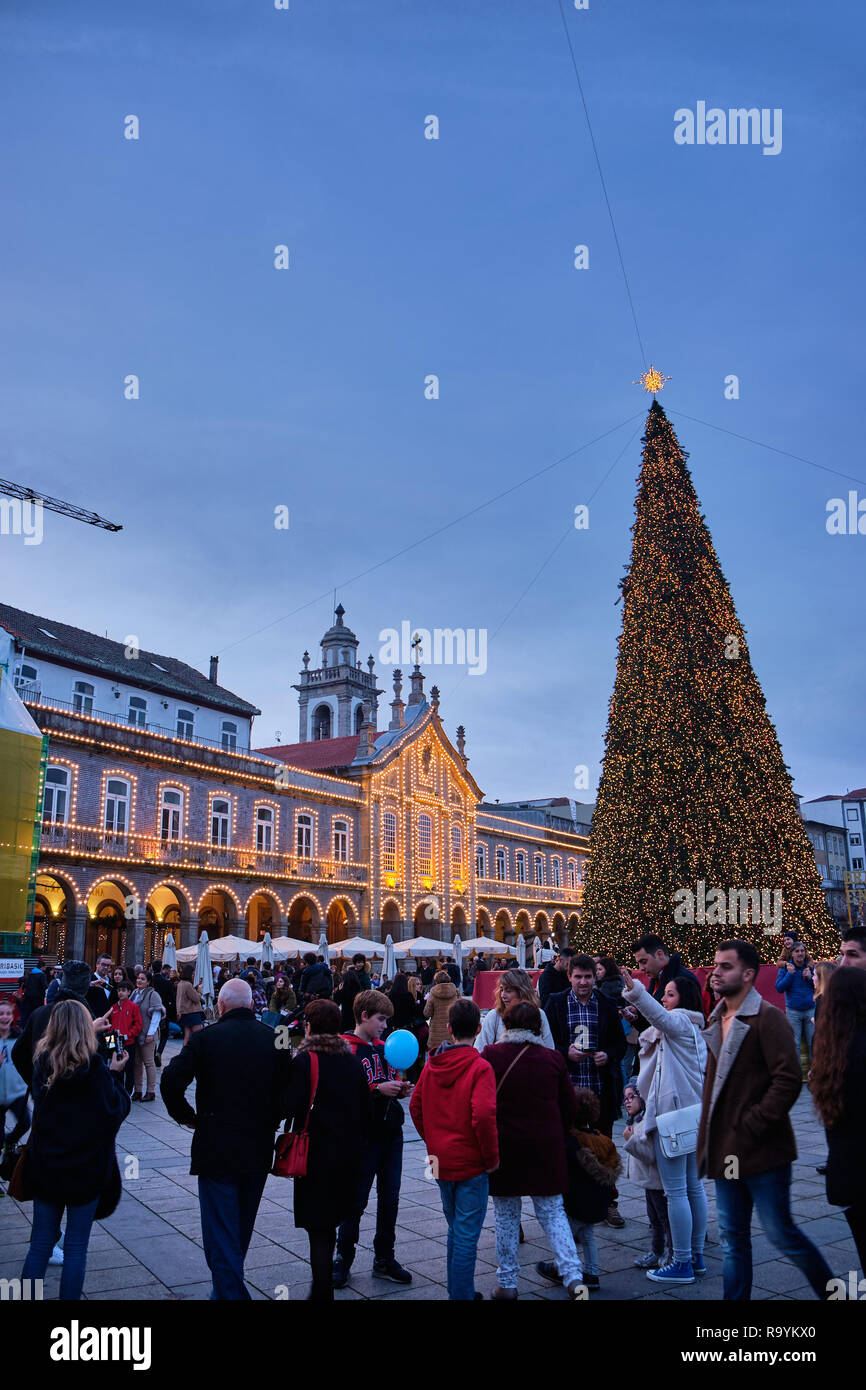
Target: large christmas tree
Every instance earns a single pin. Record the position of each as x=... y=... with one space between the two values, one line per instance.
x=695 y=806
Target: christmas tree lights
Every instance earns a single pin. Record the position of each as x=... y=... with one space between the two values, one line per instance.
x=694 y=789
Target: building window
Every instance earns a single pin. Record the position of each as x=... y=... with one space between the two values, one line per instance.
x=389 y=842
x=82 y=697
x=425 y=846
x=54 y=805
x=341 y=841
x=481 y=861
x=501 y=866
x=137 y=711
x=322 y=722
x=185 y=723
x=521 y=866
x=170 y=814
x=856 y=863
x=556 y=872
x=819 y=840
x=855 y=839
x=457 y=851
x=359 y=718
x=572 y=874
x=220 y=811
x=853 y=813
x=26 y=678
x=539 y=868
x=304 y=836
x=265 y=830
x=229 y=734
x=116 y=806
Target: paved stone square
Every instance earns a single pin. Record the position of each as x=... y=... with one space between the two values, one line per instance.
x=151 y=1248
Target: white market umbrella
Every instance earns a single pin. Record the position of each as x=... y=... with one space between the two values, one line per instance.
x=457 y=948
x=324 y=949
x=425 y=946
x=390 y=966
x=223 y=948
x=285 y=946
x=358 y=946
x=521 y=951
x=267 y=950
x=169 y=954
x=487 y=944
x=203 y=976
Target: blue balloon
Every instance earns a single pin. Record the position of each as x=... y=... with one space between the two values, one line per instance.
x=401 y=1049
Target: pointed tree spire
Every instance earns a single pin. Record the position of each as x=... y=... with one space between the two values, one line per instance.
x=694 y=794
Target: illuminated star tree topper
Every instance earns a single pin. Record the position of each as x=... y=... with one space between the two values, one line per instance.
x=652 y=380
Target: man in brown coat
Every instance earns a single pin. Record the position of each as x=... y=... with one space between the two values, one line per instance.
x=746 y=1142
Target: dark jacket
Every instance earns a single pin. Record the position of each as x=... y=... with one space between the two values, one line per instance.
x=339 y=1123
x=611 y=1039
x=98 y=1002
x=387 y=1115
x=749 y=1089
x=70 y=1158
x=242 y=1080
x=674 y=969
x=354 y=982
x=165 y=992
x=551 y=981
x=317 y=982
x=535 y=1106
x=22 y=1053
x=593 y=1168
x=454 y=973
x=846 y=1139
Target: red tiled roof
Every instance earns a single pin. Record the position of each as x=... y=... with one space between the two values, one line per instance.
x=858 y=795
x=317 y=755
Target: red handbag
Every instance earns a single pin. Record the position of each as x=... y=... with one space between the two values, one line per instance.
x=293 y=1149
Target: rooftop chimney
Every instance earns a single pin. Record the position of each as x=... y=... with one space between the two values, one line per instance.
x=214 y=663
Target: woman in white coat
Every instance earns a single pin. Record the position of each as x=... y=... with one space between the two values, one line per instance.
x=512 y=987
x=673 y=1059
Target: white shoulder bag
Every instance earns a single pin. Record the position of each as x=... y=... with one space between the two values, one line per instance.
x=678 y=1129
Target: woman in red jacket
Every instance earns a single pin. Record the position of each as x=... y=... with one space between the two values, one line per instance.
x=535 y=1107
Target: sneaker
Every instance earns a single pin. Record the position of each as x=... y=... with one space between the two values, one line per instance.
x=151 y=1095
x=56 y=1256
x=478 y=1297
x=592 y=1281
x=136 y=1095
x=501 y=1294
x=340 y=1272
x=613 y=1217
x=698 y=1265
x=649 y=1261
x=578 y=1289
x=672 y=1274
x=547 y=1270
x=390 y=1269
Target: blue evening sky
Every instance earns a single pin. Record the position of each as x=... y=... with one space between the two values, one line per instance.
x=453 y=257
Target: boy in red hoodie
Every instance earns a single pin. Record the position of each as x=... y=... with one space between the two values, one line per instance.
x=127 y=1023
x=453 y=1108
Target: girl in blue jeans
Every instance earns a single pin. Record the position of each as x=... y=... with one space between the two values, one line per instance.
x=70 y=1163
x=673 y=1059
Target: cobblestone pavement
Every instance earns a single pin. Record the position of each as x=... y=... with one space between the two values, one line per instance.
x=151 y=1247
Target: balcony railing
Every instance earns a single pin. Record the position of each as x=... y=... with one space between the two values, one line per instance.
x=31 y=694
x=535 y=892
x=191 y=854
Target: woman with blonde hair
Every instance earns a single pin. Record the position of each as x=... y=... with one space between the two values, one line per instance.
x=79 y=1104
x=512 y=987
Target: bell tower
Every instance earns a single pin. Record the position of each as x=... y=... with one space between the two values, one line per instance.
x=336 y=697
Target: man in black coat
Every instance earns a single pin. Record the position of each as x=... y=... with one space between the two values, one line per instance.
x=652 y=956
x=317 y=982
x=355 y=981
x=74 y=984
x=587 y=1031
x=554 y=977
x=242 y=1072
x=101 y=993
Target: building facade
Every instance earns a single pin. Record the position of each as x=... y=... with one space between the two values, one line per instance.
x=160 y=815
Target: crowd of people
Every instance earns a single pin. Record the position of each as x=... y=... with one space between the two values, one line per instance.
x=518 y=1103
